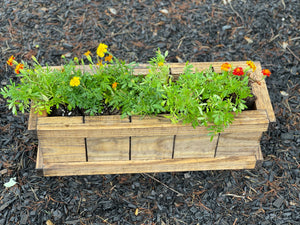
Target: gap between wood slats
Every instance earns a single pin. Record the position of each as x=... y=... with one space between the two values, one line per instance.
x=217 y=145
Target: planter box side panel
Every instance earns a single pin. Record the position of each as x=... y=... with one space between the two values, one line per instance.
x=59 y=149
x=194 y=146
x=103 y=149
x=149 y=166
x=243 y=144
x=151 y=147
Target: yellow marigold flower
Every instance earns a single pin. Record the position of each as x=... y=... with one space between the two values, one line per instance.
x=76 y=59
x=160 y=64
x=19 y=67
x=114 y=85
x=225 y=66
x=87 y=53
x=75 y=81
x=102 y=48
x=252 y=65
x=108 y=58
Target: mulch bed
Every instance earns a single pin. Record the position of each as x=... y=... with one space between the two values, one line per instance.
x=265 y=31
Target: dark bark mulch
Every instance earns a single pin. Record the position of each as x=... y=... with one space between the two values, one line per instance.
x=265 y=31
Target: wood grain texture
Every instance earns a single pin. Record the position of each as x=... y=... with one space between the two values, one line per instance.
x=39 y=163
x=197 y=146
x=102 y=149
x=62 y=149
x=258 y=154
x=33 y=118
x=149 y=166
x=239 y=144
x=239 y=139
x=247 y=121
x=150 y=148
x=263 y=100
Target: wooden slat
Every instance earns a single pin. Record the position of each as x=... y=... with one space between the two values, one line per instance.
x=258 y=154
x=141 y=69
x=238 y=144
x=227 y=151
x=151 y=148
x=99 y=149
x=177 y=68
x=105 y=120
x=189 y=146
x=32 y=120
x=62 y=149
x=39 y=163
x=149 y=166
x=247 y=121
x=239 y=139
x=102 y=148
x=261 y=91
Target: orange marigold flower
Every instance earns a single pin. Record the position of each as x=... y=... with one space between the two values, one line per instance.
x=160 y=63
x=102 y=48
x=99 y=63
x=252 y=65
x=19 y=67
x=226 y=66
x=75 y=81
x=87 y=53
x=10 y=60
x=114 y=85
x=266 y=72
x=238 y=71
x=108 y=58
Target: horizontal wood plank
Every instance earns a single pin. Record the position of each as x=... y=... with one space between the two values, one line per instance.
x=247 y=121
x=146 y=166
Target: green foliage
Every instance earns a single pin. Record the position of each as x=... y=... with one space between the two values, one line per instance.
x=206 y=97
x=199 y=98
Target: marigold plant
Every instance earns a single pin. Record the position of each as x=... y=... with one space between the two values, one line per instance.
x=10 y=60
x=266 y=72
x=75 y=81
x=238 y=71
x=225 y=67
x=200 y=98
x=102 y=49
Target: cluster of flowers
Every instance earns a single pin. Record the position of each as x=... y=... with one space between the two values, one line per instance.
x=238 y=71
x=11 y=61
x=101 y=50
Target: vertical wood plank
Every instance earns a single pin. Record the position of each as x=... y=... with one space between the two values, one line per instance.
x=56 y=149
x=194 y=146
x=151 y=148
x=107 y=149
x=238 y=144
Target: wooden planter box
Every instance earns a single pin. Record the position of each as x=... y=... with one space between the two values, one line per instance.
x=110 y=145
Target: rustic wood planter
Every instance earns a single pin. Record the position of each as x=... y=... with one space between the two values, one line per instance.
x=110 y=145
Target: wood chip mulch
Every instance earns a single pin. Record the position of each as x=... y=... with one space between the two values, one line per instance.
x=265 y=31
